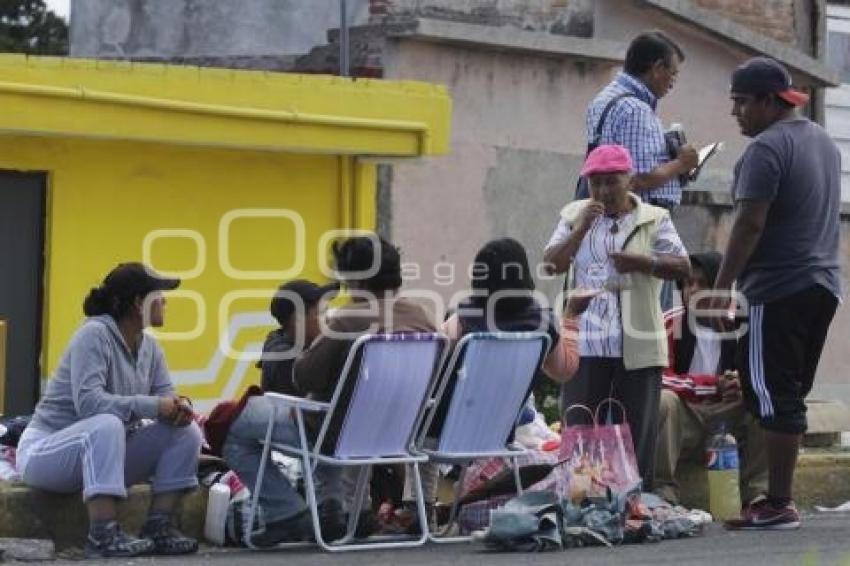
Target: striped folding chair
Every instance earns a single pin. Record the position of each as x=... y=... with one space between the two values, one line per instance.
x=492 y=374
x=390 y=377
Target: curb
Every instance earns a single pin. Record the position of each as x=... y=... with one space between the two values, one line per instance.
x=30 y=513
x=822 y=478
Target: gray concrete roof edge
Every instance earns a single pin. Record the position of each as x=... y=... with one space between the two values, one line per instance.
x=505 y=38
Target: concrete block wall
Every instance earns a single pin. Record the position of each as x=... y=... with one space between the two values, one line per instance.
x=562 y=17
x=163 y=29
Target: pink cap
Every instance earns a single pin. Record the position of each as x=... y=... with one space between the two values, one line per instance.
x=607 y=159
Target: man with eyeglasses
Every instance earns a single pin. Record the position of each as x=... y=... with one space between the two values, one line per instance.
x=649 y=73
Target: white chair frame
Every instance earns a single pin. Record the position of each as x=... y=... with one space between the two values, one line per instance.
x=312 y=457
x=509 y=452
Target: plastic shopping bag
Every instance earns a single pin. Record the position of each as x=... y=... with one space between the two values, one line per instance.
x=597 y=457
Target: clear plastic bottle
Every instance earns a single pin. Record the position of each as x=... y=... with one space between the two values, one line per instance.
x=724 y=498
x=217 y=504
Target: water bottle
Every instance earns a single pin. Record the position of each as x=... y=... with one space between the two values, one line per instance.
x=724 y=498
x=217 y=504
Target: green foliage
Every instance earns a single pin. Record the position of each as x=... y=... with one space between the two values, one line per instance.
x=27 y=26
x=546 y=394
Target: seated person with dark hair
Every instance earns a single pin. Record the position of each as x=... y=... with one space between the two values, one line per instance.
x=315 y=374
x=701 y=392
x=232 y=427
x=375 y=303
x=299 y=326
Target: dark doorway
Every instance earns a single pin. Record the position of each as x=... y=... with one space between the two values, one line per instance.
x=22 y=221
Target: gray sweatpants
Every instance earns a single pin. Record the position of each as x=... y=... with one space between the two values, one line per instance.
x=98 y=456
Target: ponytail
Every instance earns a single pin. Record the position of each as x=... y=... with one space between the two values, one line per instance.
x=97 y=302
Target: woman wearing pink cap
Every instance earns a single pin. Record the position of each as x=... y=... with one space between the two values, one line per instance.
x=619 y=249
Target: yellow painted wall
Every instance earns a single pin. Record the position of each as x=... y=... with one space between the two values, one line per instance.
x=105 y=197
x=134 y=149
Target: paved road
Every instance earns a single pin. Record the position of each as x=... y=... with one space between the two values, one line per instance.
x=823 y=540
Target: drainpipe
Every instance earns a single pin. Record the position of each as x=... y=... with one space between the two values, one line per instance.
x=343 y=40
x=818 y=104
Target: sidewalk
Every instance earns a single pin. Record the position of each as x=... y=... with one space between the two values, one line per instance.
x=823 y=478
x=822 y=540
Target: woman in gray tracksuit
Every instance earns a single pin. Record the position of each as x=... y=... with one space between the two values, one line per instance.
x=89 y=431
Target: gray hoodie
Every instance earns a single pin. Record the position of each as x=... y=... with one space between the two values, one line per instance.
x=98 y=375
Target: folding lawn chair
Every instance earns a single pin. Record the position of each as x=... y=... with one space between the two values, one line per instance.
x=493 y=373
x=390 y=378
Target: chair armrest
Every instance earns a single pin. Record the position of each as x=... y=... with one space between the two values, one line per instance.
x=300 y=402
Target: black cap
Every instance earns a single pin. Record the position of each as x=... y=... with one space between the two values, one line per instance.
x=134 y=279
x=763 y=75
x=282 y=305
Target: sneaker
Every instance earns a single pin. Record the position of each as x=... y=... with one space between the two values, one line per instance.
x=761 y=514
x=167 y=539
x=113 y=542
x=294 y=529
x=755 y=500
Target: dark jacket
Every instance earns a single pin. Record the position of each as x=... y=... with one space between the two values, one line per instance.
x=276 y=376
x=277 y=373
x=317 y=370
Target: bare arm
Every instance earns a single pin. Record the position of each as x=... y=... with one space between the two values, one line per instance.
x=747 y=228
x=664 y=266
x=643 y=182
x=686 y=160
x=561 y=255
x=671 y=267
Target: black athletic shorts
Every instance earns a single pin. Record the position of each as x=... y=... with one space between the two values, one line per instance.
x=779 y=355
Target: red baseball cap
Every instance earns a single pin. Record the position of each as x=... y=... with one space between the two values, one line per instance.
x=611 y=158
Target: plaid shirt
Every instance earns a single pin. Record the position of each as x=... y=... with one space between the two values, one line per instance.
x=632 y=123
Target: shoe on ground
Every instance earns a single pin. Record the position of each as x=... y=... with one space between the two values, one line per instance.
x=332 y=520
x=367 y=524
x=115 y=543
x=762 y=515
x=294 y=529
x=167 y=539
x=407 y=519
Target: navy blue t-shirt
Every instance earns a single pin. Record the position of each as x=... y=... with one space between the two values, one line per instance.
x=797 y=168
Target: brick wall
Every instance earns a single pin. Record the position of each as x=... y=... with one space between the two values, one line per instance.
x=563 y=17
x=773 y=18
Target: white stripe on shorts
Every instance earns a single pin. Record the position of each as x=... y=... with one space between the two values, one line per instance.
x=757 y=361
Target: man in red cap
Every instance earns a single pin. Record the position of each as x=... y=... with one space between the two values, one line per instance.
x=783 y=254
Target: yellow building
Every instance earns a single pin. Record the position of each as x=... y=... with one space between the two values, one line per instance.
x=232 y=180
